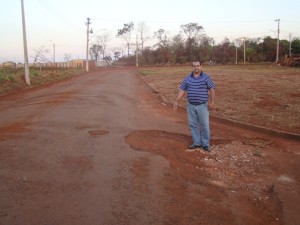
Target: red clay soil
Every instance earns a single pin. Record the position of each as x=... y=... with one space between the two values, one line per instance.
x=102 y=148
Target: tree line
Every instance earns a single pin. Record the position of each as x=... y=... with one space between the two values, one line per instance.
x=192 y=43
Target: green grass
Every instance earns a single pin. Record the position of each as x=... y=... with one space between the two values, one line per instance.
x=34 y=73
x=1 y=78
x=11 y=77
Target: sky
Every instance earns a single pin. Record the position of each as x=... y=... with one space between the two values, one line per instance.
x=63 y=22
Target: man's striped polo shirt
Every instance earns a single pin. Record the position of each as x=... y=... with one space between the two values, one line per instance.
x=197 y=87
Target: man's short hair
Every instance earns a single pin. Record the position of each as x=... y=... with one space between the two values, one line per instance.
x=196 y=59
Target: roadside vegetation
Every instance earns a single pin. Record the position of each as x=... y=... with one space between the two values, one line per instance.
x=192 y=43
x=12 y=80
x=263 y=95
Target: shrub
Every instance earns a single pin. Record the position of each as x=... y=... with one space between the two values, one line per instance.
x=34 y=73
x=11 y=77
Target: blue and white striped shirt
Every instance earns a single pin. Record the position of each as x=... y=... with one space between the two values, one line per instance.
x=197 y=87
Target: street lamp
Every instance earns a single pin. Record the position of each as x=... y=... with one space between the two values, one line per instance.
x=88 y=31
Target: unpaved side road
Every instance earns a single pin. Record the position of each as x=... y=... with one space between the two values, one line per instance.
x=102 y=149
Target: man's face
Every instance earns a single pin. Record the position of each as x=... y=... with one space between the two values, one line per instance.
x=196 y=67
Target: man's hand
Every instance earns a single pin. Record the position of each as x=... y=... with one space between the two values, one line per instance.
x=211 y=105
x=211 y=102
x=179 y=96
x=175 y=105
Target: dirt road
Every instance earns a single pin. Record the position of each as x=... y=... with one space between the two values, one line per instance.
x=103 y=149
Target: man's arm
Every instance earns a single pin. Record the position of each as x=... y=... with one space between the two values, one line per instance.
x=179 y=96
x=211 y=102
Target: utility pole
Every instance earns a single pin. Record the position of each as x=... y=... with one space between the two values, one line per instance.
x=87 y=44
x=290 y=48
x=277 y=51
x=27 y=79
x=54 y=52
x=244 y=39
x=53 y=46
x=236 y=43
x=137 y=52
x=235 y=54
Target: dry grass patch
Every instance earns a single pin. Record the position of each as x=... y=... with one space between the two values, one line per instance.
x=14 y=82
x=264 y=95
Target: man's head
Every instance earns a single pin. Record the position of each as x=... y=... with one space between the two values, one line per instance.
x=197 y=67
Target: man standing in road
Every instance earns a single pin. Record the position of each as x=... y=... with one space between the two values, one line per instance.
x=200 y=91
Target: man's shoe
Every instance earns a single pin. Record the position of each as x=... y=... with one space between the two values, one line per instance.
x=206 y=148
x=193 y=146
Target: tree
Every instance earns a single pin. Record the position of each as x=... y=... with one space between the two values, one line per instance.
x=102 y=40
x=177 y=49
x=117 y=55
x=143 y=30
x=283 y=48
x=117 y=52
x=163 y=44
x=39 y=55
x=226 y=50
x=206 y=48
x=296 y=46
x=163 y=38
x=191 y=30
x=147 y=57
x=95 y=51
x=67 y=57
x=125 y=33
x=269 y=48
x=253 y=51
x=198 y=45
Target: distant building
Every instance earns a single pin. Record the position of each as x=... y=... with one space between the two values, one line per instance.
x=80 y=63
x=103 y=63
